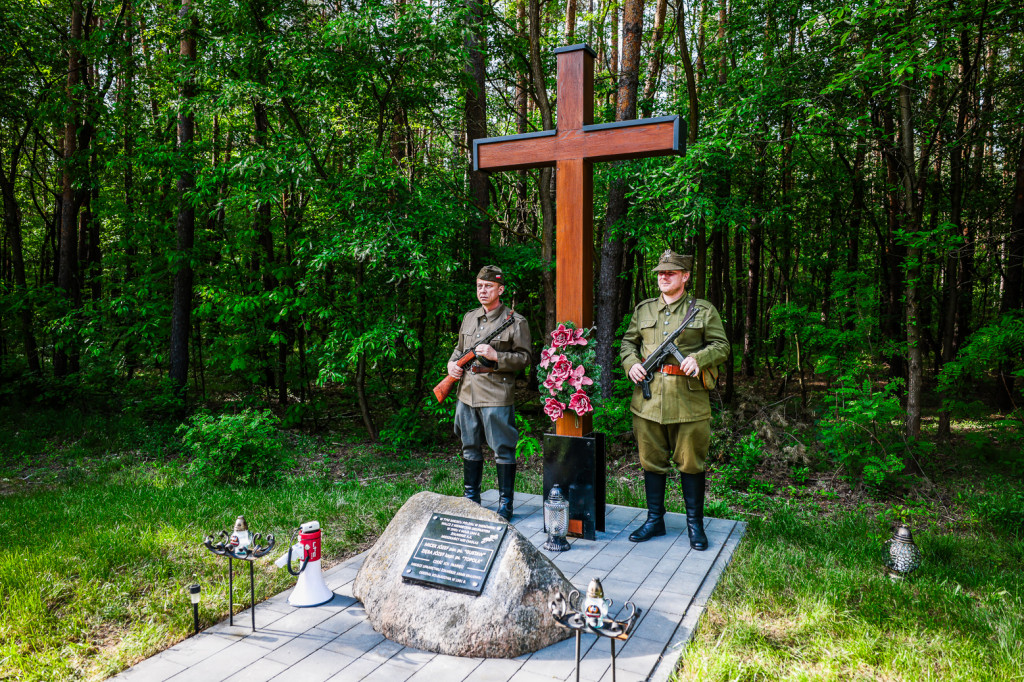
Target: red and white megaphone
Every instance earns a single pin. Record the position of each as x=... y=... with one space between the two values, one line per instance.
x=311 y=589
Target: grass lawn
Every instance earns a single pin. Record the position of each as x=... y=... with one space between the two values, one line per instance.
x=100 y=532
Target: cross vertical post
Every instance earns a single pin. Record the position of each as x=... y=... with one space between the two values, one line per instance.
x=572 y=148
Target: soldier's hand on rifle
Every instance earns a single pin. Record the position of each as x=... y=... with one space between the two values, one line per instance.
x=637 y=373
x=454 y=370
x=690 y=366
x=486 y=351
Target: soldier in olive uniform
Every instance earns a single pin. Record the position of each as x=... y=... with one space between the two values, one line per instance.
x=486 y=411
x=673 y=428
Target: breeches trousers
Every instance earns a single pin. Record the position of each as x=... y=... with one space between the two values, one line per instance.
x=494 y=425
x=664 y=447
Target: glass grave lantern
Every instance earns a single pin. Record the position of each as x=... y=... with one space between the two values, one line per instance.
x=556 y=520
x=902 y=555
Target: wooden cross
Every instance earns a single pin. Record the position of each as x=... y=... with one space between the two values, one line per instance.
x=572 y=148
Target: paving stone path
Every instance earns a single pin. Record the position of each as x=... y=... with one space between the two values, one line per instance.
x=665 y=578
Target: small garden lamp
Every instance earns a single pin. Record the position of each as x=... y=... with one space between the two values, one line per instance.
x=903 y=555
x=556 y=520
x=194 y=594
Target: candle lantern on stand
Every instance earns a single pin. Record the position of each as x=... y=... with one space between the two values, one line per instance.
x=242 y=545
x=593 y=618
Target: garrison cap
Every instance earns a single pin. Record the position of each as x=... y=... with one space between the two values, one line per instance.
x=491 y=273
x=670 y=260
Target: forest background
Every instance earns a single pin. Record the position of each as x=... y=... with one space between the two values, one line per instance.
x=223 y=206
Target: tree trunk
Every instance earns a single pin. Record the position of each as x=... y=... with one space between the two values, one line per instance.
x=545 y=194
x=750 y=327
x=476 y=128
x=1014 y=268
x=612 y=246
x=12 y=224
x=181 y=309
x=691 y=80
x=67 y=272
x=655 y=60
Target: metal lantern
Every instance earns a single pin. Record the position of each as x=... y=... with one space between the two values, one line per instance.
x=903 y=555
x=556 y=520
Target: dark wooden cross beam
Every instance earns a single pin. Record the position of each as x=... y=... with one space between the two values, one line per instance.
x=572 y=148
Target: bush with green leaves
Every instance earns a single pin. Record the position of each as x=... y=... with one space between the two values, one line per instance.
x=245 y=448
x=527 y=447
x=744 y=457
x=862 y=429
x=997 y=348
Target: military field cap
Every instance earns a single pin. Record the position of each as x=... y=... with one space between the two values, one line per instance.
x=670 y=260
x=491 y=273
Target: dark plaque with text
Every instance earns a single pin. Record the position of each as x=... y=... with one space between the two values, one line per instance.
x=455 y=552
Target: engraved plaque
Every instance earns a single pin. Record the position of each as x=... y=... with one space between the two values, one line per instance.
x=455 y=553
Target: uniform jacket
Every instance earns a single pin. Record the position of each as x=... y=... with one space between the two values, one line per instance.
x=674 y=399
x=513 y=347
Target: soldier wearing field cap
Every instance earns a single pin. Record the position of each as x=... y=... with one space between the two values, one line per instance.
x=673 y=427
x=486 y=408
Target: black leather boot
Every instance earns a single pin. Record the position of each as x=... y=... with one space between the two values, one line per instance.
x=506 y=489
x=693 y=493
x=472 y=474
x=654 y=526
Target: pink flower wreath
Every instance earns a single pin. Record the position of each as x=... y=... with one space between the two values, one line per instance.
x=563 y=371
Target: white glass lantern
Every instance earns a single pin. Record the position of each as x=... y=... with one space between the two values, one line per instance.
x=556 y=520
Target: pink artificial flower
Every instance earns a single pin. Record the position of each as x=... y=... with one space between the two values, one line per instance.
x=554 y=409
x=577 y=338
x=561 y=369
x=580 y=403
x=553 y=384
x=578 y=378
x=547 y=355
x=561 y=336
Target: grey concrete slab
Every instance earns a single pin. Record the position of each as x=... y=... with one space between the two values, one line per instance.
x=260 y=671
x=156 y=668
x=318 y=666
x=226 y=663
x=496 y=670
x=300 y=646
x=669 y=582
x=447 y=668
x=358 y=670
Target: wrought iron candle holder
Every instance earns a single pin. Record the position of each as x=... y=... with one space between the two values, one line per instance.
x=592 y=619
x=902 y=555
x=239 y=544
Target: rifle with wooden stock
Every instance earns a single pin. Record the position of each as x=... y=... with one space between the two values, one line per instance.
x=442 y=390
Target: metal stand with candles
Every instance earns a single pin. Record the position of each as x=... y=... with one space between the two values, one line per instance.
x=239 y=544
x=593 y=619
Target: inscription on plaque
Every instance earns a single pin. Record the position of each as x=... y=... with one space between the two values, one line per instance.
x=455 y=552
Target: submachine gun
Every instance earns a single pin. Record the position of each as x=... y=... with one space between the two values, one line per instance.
x=667 y=348
x=442 y=390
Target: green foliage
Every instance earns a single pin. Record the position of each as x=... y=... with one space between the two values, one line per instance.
x=1001 y=505
x=862 y=430
x=527 y=446
x=742 y=460
x=245 y=448
x=615 y=417
x=996 y=347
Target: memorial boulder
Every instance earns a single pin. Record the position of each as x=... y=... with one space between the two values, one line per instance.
x=417 y=582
